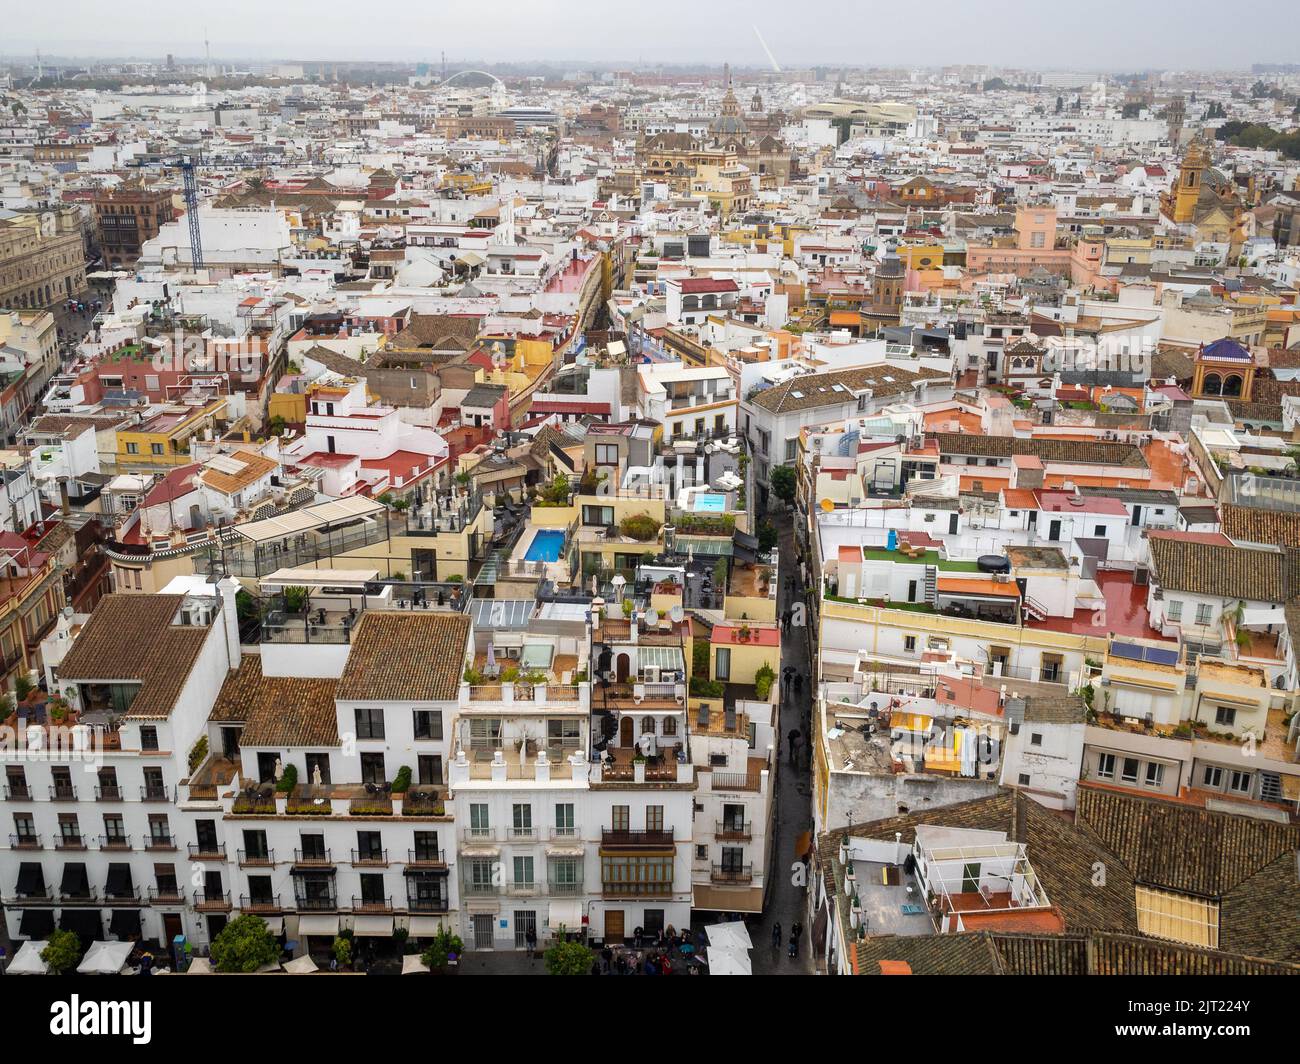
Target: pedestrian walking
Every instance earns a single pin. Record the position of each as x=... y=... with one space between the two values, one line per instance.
x=776 y=935
x=798 y=685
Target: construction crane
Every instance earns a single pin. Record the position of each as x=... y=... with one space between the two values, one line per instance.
x=186 y=164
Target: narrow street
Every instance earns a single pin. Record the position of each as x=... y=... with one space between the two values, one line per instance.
x=786 y=902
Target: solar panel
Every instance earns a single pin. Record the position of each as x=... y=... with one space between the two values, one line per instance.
x=1126 y=650
x=1158 y=656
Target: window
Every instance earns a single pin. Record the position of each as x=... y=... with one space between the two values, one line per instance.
x=1155 y=774
x=1035 y=738
x=1239 y=782
x=370 y=722
x=701 y=853
x=791 y=450
x=372 y=768
x=370 y=846
x=485 y=733
x=635 y=875
x=621 y=817
x=1024 y=779
x=480 y=826
x=654 y=818
x=132 y=448
x=563 y=732
x=426 y=846
x=909 y=644
x=564 y=819
x=1213 y=777
x=114 y=828
x=1225 y=716
x=522 y=820
x=318 y=761
x=156 y=448
x=1174 y=610
x=159 y=830
x=722 y=664
x=429 y=767
x=606 y=454
x=427 y=723
x=148 y=737
x=601 y=516
x=1130 y=773
x=523 y=868
x=1204 y=612
x=1106 y=766
x=564 y=875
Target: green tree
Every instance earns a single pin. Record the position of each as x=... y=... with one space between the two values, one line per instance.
x=62 y=952
x=767 y=537
x=444 y=948
x=784 y=483
x=244 y=945
x=567 y=958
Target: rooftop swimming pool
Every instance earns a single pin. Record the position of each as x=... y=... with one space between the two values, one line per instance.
x=710 y=504
x=546 y=546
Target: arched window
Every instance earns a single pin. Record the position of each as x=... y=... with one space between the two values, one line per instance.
x=670 y=725
x=1232 y=386
x=647 y=725
x=1211 y=384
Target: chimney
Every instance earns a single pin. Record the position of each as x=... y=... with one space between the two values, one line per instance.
x=229 y=588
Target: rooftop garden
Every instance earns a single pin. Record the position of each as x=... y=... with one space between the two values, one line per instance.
x=930 y=557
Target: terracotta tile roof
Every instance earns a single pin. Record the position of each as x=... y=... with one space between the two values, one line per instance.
x=1096 y=953
x=818 y=389
x=1279 y=527
x=1088 y=452
x=405 y=657
x=277 y=710
x=1221 y=571
x=131 y=637
x=1185 y=848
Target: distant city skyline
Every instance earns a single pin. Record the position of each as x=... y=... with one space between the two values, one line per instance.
x=1103 y=35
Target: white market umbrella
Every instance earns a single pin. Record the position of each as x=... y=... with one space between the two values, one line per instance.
x=491 y=656
x=301 y=966
x=733 y=935
x=412 y=965
x=728 y=962
x=199 y=966
x=105 y=958
x=28 y=961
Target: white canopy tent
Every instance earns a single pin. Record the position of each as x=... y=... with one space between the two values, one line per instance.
x=28 y=961
x=412 y=965
x=301 y=966
x=727 y=962
x=733 y=936
x=199 y=966
x=105 y=958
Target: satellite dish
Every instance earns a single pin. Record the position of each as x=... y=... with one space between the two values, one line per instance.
x=652 y=618
x=677 y=615
x=827 y=505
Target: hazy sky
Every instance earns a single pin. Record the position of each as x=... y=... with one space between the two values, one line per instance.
x=1086 y=34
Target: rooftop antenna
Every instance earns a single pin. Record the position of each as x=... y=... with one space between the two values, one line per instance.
x=207 y=52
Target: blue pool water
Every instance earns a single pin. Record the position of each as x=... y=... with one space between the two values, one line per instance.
x=546 y=546
x=710 y=504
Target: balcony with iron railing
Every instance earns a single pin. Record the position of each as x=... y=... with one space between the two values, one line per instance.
x=733 y=873
x=63 y=792
x=268 y=903
x=256 y=858
x=166 y=896
x=115 y=842
x=317 y=858
x=25 y=842
x=316 y=903
x=86 y=897
x=212 y=902
x=732 y=829
x=480 y=888
x=425 y=857
x=156 y=792
x=122 y=896
x=370 y=858
x=622 y=838
x=160 y=842
x=79 y=842
x=110 y=792
x=372 y=905
x=437 y=904
x=18 y=792
x=206 y=851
